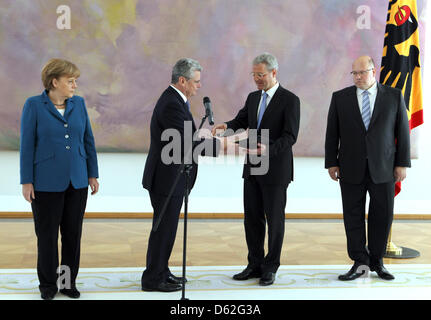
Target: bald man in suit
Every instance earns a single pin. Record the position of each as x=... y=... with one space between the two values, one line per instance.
x=367 y=149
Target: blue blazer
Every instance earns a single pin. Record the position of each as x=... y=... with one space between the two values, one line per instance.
x=55 y=150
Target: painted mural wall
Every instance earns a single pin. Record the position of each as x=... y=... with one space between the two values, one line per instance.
x=126 y=49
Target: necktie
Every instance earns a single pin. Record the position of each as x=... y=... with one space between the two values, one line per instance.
x=188 y=105
x=262 y=109
x=366 y=111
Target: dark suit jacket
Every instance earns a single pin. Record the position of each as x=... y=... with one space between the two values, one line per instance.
x=281 y=117
x=56 y=150
x=171 y=112
x=385 y=145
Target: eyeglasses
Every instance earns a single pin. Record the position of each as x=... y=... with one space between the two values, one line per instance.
x=361 y=73
x=259 y=75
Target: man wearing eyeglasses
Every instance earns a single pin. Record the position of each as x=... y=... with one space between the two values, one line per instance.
x=276 y=109
x=367 y=149
x=171 y=115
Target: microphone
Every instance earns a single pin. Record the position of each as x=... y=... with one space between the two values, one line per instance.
x=208 y=110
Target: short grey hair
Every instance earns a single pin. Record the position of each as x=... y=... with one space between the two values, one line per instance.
x=184 y=68
x=268 y=59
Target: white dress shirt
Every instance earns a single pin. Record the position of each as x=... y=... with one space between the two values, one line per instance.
x=181 y=94
x=372 y=94
x=61 y=111
x=270 y=94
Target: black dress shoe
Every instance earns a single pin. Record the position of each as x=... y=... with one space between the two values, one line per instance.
x=163 y=287
x=382 y=272
x=48 y=295
x=71 y=293
x=353 y=274
x=247 y=273
x=175 y=280
x=267 y=279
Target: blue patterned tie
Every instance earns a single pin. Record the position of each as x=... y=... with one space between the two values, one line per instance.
x=366 y=111
x=188 y=106
x=262 y=109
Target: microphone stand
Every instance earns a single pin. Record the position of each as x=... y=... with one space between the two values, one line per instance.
x=184 y=169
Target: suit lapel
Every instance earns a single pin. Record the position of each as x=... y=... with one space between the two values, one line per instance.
x=356 y=110
x=377 y=104
x=50 y=106
x=269 y=108
x=70 y=104
x=183 y=104
x=274 y=101
x=254 y=105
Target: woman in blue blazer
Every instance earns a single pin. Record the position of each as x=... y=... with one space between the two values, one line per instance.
x=57 y=164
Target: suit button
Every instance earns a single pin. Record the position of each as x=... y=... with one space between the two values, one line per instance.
x=66 y=136
x=66 y=125
x=67 y=147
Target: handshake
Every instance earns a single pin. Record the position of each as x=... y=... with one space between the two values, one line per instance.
x=238 y=143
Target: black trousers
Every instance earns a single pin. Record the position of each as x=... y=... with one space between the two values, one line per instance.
x=264 y=205
x=162 y=241
x=54 y=211
x=380 y=216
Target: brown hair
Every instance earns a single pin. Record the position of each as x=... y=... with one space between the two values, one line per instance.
x=56 y=68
